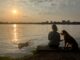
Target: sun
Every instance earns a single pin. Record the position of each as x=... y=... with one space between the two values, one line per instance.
x=14 y=11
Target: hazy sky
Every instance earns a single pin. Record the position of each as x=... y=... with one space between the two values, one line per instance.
x=39 y=10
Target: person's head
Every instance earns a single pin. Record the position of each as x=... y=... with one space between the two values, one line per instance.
x=54 y=27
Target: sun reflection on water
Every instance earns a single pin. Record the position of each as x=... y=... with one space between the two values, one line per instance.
x=15 y=36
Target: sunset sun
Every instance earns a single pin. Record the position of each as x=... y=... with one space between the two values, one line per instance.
x=14 y=11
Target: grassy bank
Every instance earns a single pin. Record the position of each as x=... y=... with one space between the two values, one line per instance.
x=6 y=58
x=48 y=55
x=53 y=56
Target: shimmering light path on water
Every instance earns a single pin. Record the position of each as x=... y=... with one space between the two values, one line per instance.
x=12 y=34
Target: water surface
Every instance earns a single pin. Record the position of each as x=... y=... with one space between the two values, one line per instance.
x=12 y=34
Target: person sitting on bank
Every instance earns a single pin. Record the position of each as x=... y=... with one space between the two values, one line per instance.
x=54 y=37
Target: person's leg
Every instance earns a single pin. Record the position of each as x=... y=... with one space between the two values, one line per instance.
x=54 y=46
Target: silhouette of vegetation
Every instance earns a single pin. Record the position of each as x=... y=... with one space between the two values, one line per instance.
x=46 y=22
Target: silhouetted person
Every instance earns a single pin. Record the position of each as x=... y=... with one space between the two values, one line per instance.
x=69 y=40
x=54 y=37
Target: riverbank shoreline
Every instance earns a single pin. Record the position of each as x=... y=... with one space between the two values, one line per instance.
x=49 y=54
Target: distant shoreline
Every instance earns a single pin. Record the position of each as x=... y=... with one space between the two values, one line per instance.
x=63 y=22
x=45 y=23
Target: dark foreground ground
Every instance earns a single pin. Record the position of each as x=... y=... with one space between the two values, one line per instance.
x=49 y=55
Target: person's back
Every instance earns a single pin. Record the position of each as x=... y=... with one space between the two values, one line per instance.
x=54 y=37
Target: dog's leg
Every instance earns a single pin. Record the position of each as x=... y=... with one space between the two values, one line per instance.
x=65 y=44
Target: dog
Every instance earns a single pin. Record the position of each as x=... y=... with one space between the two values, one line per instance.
x=69 y=40
x=21 y=45
x=26 y=44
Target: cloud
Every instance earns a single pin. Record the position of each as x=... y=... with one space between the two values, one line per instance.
x=61 y=6
x=45 y=7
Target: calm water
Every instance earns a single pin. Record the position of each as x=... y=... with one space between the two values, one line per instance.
x=12 y=34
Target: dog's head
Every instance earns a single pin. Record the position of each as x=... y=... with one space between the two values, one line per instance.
x=64 y=32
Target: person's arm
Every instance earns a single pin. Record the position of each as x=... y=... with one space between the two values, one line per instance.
x=50 y=36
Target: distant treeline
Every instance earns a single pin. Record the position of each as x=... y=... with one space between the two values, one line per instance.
x=46 y=22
